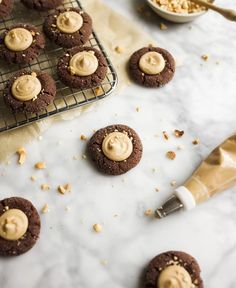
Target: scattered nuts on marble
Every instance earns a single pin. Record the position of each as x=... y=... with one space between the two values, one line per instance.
x=171 y=155
x=148 y=212
x=119 y=49
x=45 y=186
x=63 y=189
x=97 y=227
x=163 y=26
x=178 y=133
x=173 y=183
x=22 y=155
x=40 y=165
x=205 y=57
x=33 y=178
x=166 y=136
x=45 y=209
x=157 y=189
x=98 y=91
x=83 y=137
x=196 y=141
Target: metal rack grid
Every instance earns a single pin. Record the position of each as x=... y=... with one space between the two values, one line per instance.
x=67 y=98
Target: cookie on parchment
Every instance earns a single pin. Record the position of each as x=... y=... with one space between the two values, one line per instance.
x=68 y=27
x=21 y=43
x=42 y=5
x=115 y=149
x=29 y=92
x=19 y=226
x=152 y=66
x=82 y=67
x=5 y=8
x=171 y=268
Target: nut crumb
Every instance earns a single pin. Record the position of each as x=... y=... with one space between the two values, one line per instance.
x=166 y=136
x=45 y=186
x=148 y=212
x=97 y=228
x=196 y=141
x=98 y=91
x=40 y=165
x=33 y=178
x=163 y=26
x=104 y=262
x=45 y=209
x=137 y=109
x=67 y=209
x=22 y=155
x=84 y=156
x=83 y=137
x=157 y=189
x=119 y=49
x=171 y=155
x=63 y=189
x=205 y=57
x=178 y=133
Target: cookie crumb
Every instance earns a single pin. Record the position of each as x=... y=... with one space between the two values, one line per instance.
x=171 y=155
x=97 y=228
x=157 y=189
x=148 y=212
x=166 y=136
x=22 y=155
x=163 y=26
x=119 y=49
x=45 y=186
x=137 y=109
x=83 y=137
x=178 y=133
x=45 y=209
x=196 y=141
x=40 y=165
x=205 y=57
x=98 y=91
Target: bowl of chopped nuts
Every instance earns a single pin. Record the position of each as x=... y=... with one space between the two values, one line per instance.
x=178 y=11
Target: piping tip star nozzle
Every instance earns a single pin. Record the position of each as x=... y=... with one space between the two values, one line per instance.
x=172 y=205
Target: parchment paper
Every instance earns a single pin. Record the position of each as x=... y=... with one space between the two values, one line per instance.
x=113 y=30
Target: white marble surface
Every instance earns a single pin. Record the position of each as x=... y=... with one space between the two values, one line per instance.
x=200 y=100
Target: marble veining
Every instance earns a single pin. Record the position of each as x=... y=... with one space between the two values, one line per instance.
x=201 y=101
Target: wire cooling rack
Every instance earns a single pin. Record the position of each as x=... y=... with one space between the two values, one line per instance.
x=66 y=98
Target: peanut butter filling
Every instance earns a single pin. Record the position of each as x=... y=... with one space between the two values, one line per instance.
x=117 y=146
x=175 y=276
x=13 y=224
x=83 y=63
x=69 y=22
x=26 y=87
x=152 y=63
x=18 y=39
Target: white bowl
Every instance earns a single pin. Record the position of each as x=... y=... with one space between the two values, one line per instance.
x=174 y=17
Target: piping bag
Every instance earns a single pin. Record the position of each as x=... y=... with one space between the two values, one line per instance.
x=215 y=174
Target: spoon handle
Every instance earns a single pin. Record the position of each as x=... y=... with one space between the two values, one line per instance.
x=229 y=14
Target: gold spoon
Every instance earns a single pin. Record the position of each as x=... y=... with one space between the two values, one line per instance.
x=229 y=14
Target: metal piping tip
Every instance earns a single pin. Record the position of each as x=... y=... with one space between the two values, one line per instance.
x=172 y=205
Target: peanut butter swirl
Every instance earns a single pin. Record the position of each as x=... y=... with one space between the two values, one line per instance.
x=175 y=276
x=13 y=224
x=18 y=39
x=117 y=146
x=83 y=63
x=152 y=63
x=69 y=22
x=26 y=87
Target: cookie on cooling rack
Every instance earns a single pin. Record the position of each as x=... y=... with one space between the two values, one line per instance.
x=5 y=8
x=82 y=67
x=21 y=43
x=152 y=66
x=42 y=5
x=19 y=226
x=68 y=27
x=29 y=92
x=172 y=267
x=115 y=149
